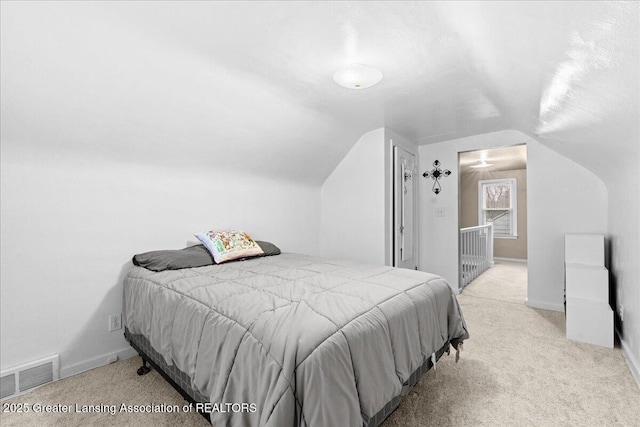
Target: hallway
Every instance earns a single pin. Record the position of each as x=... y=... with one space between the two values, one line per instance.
x=505 y=281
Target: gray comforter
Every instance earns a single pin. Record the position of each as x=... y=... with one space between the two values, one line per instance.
x=300 y=340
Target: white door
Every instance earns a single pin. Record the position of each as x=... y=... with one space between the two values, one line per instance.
x=404 y=212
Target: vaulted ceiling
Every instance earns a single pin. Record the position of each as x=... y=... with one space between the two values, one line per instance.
x=248 y=85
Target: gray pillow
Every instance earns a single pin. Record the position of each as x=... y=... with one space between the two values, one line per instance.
x=268 y=248
x=193 y=256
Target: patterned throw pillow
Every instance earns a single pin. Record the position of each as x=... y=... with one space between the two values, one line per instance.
x=226 y=245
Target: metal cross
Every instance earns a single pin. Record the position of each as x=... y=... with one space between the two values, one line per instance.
x=435 y=174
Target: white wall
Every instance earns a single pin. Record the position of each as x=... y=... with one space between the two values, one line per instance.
x=564 y=198
x=357 y=205
x=70 y=226
x=555 y=184
x=624 y=235
x=353 y=203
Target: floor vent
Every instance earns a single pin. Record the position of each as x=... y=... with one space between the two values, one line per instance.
x=7 y=386
x=25 y=377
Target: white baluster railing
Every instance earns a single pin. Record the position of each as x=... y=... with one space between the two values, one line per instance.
x=476 y=252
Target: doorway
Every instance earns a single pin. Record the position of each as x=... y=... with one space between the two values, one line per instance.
x=493 y=209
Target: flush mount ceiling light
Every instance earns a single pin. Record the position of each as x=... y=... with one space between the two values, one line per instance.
x=482 y=164
x=357 y=76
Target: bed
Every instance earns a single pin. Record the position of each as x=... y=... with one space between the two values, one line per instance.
x=292 y=340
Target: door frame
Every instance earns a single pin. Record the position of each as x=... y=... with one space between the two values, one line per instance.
x=391 y=140
x=459 y=201
x=398 y=234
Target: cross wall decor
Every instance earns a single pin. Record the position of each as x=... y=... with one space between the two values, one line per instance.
x=435 y=174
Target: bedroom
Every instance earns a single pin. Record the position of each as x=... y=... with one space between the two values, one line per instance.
x=127 y=127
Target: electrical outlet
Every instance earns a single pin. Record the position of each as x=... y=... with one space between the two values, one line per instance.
x=621 y=311
x=115 y=322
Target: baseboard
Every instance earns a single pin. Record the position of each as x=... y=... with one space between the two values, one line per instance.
x=97 y=362
x=634 y=367
x=524 y=261
x=545 y=305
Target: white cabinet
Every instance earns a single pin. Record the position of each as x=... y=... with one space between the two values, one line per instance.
x=584 y=249
x=589 y=316
x=587 y=282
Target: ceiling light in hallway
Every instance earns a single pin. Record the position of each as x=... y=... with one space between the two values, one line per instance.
x=482 y=164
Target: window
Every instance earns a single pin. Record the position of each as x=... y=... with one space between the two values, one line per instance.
x=497 y=203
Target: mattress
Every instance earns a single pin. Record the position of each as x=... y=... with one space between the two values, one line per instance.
x=294 y=340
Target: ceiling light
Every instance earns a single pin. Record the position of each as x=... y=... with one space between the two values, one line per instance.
x=357 y=76
x=482 y=164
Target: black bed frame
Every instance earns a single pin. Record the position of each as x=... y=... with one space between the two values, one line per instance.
x=158 y=364
x=175 y=376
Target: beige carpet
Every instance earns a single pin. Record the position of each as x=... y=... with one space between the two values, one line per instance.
x=516 y=369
